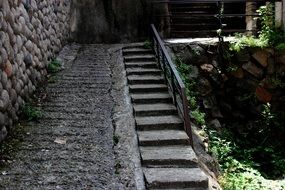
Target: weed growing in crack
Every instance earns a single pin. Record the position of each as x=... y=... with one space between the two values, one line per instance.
x=147 y=44
x=190 y=84
x=54 y=66
x=116 y=139
x=31 y=113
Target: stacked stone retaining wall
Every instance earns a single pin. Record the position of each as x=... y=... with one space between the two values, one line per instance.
x=31 y=33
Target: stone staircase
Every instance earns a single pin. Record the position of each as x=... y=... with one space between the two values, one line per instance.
x=168 y=160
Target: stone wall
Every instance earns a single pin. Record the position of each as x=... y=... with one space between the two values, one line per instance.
x=236 y=90
x=31 y=32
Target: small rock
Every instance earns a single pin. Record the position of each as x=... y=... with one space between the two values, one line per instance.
x=2 y=119
x=209 y=102
x=215 y=124
x=3 y=134
x=28 y=60
x=205 y=86
x=207 y=68
x=5 y=99
x=8 y=69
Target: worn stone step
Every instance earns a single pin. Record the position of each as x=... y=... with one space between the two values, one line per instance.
x=169 y=156
x=181 y=189
x=154 y=109
x=148 y=88
x=136 y=51
x=163 y=137
x=173 y=178
x=139 y=58
x=150 y=64
x=134 y=45
x=145 y=79
x=151 y=98
x=158 y=122
x=143 y=71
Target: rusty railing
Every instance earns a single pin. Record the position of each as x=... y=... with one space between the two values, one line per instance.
x=173 y=80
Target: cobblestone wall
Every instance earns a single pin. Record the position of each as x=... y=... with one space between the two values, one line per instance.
x=31 y=32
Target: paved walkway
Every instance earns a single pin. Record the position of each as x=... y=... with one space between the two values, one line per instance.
x=73 y=146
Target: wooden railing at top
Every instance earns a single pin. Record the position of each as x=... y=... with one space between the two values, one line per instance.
x=173 y=80
x=209 y=1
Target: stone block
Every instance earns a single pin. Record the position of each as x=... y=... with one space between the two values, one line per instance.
x=263 y=95
x=253 y=69
x=261 y=57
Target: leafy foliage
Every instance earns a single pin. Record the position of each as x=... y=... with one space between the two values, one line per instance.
x=184 y=71
x=269 y=35
x=54 y=66
x=199 y=117
x=237 y=165
x=31 y=113
x=247 y=41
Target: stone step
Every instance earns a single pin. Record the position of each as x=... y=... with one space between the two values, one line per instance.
x=151 y=98
x=148 y=88
x=135 y=45
x=169 y=156
x=150 y=64
x=174 y=178
x=139 y=58
x=159 y=122
x=143 y=71
x=158 y=109
x=194 y=188
x=136 y=51
x=163 y=137
x=145 y=79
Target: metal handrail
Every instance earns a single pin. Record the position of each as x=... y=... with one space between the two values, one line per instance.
x=173 y=80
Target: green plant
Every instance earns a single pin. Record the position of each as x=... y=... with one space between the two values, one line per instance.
x=276 y=82
x=199 y=117
x=237 y=174
x=269 y=31
x=31 y=113
x=232 y=68
x=242 y=42
x=269 y=35
x=116 y=139
x=54 y=66
x=52 y=79
x=147 y=44
x=280 y=47
x=190 y=84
